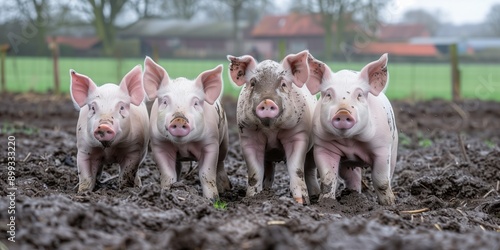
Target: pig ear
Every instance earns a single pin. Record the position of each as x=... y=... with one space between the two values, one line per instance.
x=319 y=72
x=375 y=73
x=81 y=86
x=132 y=85
x=239 y=67
x=297 y=64
x=211 y=81
x=154 y=75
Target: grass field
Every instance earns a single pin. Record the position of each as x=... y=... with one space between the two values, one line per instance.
x=407 y=80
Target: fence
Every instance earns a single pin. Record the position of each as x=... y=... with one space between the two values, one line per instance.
x=408 y=80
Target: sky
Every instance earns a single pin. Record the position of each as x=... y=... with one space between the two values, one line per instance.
x=455 y=12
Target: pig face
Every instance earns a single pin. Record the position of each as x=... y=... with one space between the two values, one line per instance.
x=344 y=94
x=180 y=101
x=107 y=107
x=266 y=99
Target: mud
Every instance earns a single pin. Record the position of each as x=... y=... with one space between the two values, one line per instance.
x=446 y=184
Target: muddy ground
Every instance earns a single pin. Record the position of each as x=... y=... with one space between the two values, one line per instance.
x=446 y=184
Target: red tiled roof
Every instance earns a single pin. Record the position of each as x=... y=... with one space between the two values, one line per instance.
x=294 y=24
x=75 y=42
x=402 y=32
x=399 y=49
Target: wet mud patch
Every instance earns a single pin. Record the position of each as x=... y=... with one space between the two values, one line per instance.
x=446 y=184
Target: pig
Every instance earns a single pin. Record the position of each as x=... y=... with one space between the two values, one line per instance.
x=354 y=127
x=274 y=116
x=113 y=127
x=188 y=124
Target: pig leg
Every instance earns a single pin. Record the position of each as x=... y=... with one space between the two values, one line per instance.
x=88 y=167
x=208 y=171
x=268 y=175
x=253 y=152
x=351 y=177
x=223 y=182
x=295 y=151
x=165 y=159
x=128 y=170
x=328 y=167
x=178 y=169
x=311 y=175
x=381 y=174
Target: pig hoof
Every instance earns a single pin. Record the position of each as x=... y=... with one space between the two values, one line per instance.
x=137 y=181
x=299 y=200
x=85 y=186
x=222 y=188
x=387 y=201
x=84 y=191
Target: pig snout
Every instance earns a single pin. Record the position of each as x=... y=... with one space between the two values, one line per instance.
x=104 y=133
x=343 y=120
x=267 y=109
x=179 y=126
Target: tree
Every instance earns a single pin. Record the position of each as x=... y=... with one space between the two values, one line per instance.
x=335 y=16
x=236 y=8
x=332 y=13
x=430 y=20
x=104 y=14
x=36 y=15
x=493 y=19
x=185 y=9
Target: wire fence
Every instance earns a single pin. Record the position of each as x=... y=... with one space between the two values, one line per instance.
x=408 y=80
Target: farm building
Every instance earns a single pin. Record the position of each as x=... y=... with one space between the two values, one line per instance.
x=184 y=38
x=294 y=32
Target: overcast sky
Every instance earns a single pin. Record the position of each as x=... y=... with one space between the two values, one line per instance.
x=456 y=12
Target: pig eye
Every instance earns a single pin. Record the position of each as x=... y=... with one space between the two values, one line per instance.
x=252 y=83
x=359 y=96
x=283 y=84
x=122 y=108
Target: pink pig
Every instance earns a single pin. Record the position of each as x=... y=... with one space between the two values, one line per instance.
x=274 y=116
x=188 y=123
x=354 y=126
x=112 y=127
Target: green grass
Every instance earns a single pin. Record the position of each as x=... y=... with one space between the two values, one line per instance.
x=407 y=80
x=12 y=128
x=220 y=205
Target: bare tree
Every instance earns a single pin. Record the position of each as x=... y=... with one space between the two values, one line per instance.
x=103 y=15
x=182 y=9
x=493 y=19
x=430 y=20
x=185 y=9
x=35 y=13
x=333 y=13
x=335 y=16
x=236 y=7
x=147 y=8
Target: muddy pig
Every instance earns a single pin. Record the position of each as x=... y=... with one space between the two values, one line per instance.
x=274 y=115
x=112 y=127
x=188 y=124
x=354 y=126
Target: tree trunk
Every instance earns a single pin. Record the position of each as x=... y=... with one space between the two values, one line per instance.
x=238 y=50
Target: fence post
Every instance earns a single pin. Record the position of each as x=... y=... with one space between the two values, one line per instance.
x=455 y=73
x=54 y=47
x=281 y=49
x=4 y=48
